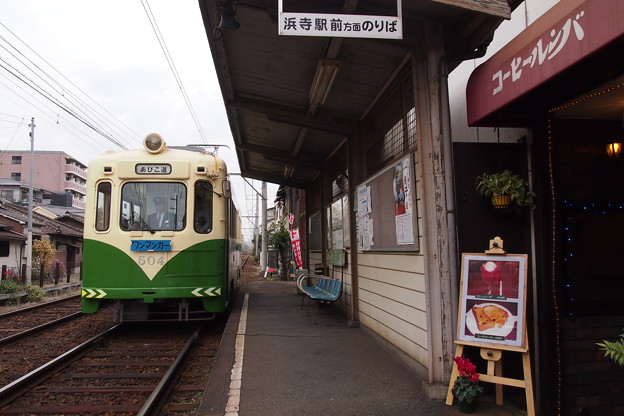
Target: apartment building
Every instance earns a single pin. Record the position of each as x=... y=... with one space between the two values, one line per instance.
x=53 y=171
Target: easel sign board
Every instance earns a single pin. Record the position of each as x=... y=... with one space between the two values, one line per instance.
x=492 y=301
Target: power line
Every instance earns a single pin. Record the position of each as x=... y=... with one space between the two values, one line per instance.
x=46 y=95
x=2 y=153
x=44 y=112
x=111 y=120
x=163 y=46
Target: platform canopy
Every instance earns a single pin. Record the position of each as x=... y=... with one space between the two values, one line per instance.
x=292 y=100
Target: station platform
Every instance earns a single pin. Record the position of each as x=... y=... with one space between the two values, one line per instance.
x=275 y=360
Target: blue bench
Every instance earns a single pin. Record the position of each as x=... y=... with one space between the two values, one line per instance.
x=326 y=290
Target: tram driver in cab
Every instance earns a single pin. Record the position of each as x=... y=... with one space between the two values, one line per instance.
x=161 y=219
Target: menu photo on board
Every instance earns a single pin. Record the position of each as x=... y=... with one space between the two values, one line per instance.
x=492 y=299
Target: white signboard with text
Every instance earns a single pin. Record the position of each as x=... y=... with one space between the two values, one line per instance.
x=340 y=25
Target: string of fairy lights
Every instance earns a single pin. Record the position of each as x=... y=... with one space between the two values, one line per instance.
x=597 y=209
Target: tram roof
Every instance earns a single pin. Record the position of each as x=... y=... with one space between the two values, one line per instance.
x=265 y=78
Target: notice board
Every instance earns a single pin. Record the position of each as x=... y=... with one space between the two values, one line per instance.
x=386 y=209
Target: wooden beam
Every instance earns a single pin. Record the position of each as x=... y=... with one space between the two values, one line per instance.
x=304 y=159
x=275 y=178
x=498 y=8
x=322 y=121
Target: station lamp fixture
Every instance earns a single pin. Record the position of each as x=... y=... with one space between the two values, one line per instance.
x=324 y=78
x=614 y=150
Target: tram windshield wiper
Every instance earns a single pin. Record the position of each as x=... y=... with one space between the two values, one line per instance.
x=142 y=222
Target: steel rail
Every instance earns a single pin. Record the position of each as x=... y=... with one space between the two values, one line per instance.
x=40 y=328
x=37 y=306
x=157 y=399
x=18 y=387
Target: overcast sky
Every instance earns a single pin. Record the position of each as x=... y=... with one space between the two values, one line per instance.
x=103 y=62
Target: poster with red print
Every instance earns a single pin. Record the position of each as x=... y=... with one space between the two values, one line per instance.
x=492 y=299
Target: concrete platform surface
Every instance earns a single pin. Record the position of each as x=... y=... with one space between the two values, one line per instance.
x=275 y=360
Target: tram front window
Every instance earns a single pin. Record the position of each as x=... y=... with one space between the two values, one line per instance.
x=151 y=206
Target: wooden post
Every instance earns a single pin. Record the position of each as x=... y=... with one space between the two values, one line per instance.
x=4 y=269
x=57 y=273
x=68 y=272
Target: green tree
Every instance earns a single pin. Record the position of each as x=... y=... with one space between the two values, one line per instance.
x=279 y=238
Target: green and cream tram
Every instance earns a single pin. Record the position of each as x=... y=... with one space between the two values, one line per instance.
x=162 y=235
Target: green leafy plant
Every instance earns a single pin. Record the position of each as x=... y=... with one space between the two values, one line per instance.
x=9 y=286
x=34 y=293
x=279 y=238
x=613 y=350
x=466 y=387
x=506 y=183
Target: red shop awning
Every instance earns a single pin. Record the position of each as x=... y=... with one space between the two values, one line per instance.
x=560 y=39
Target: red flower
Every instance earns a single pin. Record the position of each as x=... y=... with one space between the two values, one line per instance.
x=467 y=369
x=466 y=387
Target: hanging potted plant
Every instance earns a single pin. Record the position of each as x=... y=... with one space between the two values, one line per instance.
x=505 y=189
x=466 y=388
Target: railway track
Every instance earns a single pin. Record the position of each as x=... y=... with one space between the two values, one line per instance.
x=25 y=322
x=128 y=369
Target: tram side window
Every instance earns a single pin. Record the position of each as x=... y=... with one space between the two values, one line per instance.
x=102 y=216
x=202 y=217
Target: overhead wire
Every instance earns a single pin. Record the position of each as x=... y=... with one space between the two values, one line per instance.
x=176 y=75
x=44 y=112
x=71 y=112
x=3 y=152
x=108 y=117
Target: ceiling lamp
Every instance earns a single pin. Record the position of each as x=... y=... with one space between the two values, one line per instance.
x=324 y=78
x=614 y=150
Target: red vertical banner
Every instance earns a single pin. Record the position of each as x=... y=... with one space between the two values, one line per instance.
x=296 y=245
x=291 y=220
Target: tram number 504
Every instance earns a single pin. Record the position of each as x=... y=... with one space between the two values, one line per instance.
x=151 y=260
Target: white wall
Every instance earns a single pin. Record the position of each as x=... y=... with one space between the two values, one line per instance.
x=521 y=18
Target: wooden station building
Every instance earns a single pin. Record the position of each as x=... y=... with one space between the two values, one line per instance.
x=354 y=123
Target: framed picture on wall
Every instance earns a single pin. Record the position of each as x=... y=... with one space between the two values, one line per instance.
x=492 y=307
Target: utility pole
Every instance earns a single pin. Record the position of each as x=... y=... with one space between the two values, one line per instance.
x=264 y=254
x=28 y=278
x=256 y=225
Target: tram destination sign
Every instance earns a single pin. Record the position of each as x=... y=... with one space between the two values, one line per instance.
x=340 y=25
x=152 y=169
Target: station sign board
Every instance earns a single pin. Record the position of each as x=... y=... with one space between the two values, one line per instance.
x=340 y=25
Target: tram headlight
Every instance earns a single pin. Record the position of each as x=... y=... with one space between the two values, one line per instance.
x=154 y=143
